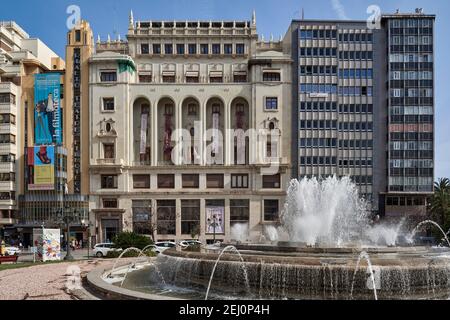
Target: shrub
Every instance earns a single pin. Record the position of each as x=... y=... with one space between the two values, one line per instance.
x=129 y=254
x=127 y=239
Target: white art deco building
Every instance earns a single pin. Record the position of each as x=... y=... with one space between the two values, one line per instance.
x=197 y=76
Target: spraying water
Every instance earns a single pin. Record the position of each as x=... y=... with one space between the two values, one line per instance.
x=328 y=211
x=413 y=233
x=244 y=268
x=364 y=255
x=239 y=232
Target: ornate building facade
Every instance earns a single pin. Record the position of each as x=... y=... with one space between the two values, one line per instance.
x=189 y=131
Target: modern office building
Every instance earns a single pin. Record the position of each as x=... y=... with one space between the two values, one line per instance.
x=196 y=76
x=363 y=106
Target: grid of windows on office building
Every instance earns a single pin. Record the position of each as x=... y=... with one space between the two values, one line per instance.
x=411 y=104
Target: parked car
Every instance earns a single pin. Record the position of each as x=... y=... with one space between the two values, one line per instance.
x=11 y=251
x=101 y=249
x=164 y=245
x=153 y=248
x=187 y=243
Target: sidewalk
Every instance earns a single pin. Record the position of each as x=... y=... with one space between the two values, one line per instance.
x=80 y=254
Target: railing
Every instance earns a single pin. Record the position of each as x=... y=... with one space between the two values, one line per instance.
x=116 y=162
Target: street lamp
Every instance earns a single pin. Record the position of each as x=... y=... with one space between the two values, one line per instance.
x=67 y=218
x=88 y=224
x=214 y=222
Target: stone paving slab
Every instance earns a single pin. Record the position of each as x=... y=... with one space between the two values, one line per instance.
x=44 y=282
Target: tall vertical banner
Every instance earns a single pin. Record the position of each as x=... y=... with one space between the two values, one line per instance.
x=144 y=119
x=76 y=120
x=47 y=108
x=41 y=168
x=215 y=135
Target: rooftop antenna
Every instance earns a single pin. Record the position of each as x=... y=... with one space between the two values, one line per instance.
x=303 y=13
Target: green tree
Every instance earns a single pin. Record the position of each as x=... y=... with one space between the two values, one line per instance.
x=440 y=202
x=128 y=239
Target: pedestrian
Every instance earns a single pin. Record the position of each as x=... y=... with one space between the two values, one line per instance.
x=81 y=243
x=73 y=244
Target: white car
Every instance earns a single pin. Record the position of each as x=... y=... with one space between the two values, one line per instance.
x=164 y=245
x=187 y=243
x=11 y=251
x=101 y=249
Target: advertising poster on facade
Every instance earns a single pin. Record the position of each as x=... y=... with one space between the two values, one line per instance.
x=215 y=220
x=41 y=168
x=47 y=109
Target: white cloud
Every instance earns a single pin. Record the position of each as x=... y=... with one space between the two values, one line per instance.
x=339 y=9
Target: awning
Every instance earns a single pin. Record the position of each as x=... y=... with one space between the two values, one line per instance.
x=191 y=73
x=145 y=73
x=168 y=73
x=216 y=74
x=240 y=73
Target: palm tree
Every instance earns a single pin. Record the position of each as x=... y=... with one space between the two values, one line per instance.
x=440 y=202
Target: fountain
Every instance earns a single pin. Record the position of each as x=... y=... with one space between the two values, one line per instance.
x=326 y=231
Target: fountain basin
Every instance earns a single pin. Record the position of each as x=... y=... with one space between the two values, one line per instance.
x=286 y=272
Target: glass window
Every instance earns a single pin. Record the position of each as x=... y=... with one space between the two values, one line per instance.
x=156 y=48
x=141 y=181
x=108 y=76
x=239 y=181
x=108 y=104
x=204 y=49
x=271 y=181
x=271 y=103
x=240 y=48
x=180 y=48
x=190 y=180
x=166 y=181
x=214 y=181
x=168 y=49
x=216 y=48
x=271 y=76
x=190 y=217
x=144 y=48
x=271 y=210
x=239 y=211
x=192 y=47
x=142 y=210
x=108 y=151
x=228 y=48
x=166 y=216
x=109 y=181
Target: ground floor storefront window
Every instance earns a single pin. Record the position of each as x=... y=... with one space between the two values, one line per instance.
x=190 y=217
x=166 y=216
x=142 y=223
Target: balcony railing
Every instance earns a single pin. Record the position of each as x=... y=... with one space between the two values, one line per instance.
x=111 y=162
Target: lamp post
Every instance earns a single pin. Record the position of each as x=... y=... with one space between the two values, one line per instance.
x=213 y=222
x=67 y=218
x=88 y=224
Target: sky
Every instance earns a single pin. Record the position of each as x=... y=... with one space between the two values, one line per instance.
x=47 y=20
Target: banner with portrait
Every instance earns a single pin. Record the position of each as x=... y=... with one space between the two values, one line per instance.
x=47 y=109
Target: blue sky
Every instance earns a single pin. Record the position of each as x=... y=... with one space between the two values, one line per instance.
x=47 y=21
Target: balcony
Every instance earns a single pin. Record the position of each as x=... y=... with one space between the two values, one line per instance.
x=8 y=108
x=9 y=203
x=8 y=128
x=7 y=186
x=142 y=163
x=5 y=221
x=8 y=87
x=7 y=167
x=109 y=162
x=115 y=165
x=8 y=148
